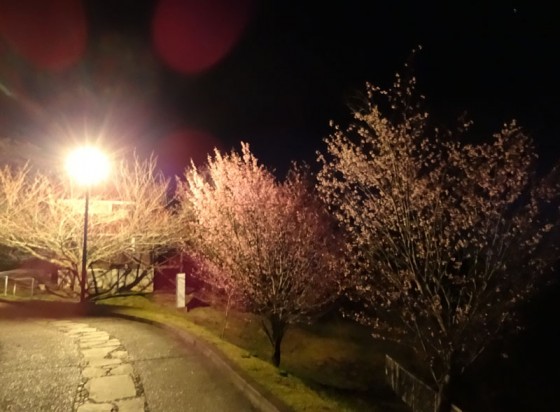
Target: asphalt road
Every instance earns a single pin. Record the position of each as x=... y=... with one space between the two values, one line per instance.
x=42 y=369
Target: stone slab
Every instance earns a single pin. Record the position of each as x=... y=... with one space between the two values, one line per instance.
x=104 y=362
x=94 y=344
x=124 y=369
x=93 y=338
x=119 y=354
x=110 y=388
x=98 y=353
x=95 y=334
x=89 y=373
x=95 y=407
x=131 y=405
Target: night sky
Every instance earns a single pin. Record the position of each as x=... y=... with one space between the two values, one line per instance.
x=180 y=77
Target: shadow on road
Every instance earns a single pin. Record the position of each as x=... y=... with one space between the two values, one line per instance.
x=43 y=309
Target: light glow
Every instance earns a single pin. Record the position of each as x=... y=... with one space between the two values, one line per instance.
x=87 y=165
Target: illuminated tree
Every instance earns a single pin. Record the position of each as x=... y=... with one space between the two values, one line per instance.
x=43 y=216
x=444 y=239
x=270 y=241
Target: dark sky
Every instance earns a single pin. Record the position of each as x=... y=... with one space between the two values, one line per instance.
x=272 y=73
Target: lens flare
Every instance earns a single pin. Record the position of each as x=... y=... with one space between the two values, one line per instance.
x=192 y=36
x=177 y=149
x=48 y=33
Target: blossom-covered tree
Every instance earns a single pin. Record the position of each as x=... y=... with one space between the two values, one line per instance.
x=444 y=239
x=43 y=216
x=270 y=241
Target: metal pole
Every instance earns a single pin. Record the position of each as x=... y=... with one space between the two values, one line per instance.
x=5 y=285
x=83 y=279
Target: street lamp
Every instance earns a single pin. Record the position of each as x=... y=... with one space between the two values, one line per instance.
x=88 y=166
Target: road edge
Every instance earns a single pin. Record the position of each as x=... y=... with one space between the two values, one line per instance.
x=259 y=397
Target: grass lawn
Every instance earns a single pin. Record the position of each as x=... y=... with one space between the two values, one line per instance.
x=331 y=366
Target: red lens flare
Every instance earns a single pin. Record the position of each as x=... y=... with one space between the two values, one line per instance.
x=50 y=34
x=193 y=35
x=176 y=150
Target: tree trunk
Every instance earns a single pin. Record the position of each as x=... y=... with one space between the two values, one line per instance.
x=444 y=395
x=228 y=306
x=446 y=389
x=73 y=279
x=276 y=354
x=275 y=334
x=94 y=278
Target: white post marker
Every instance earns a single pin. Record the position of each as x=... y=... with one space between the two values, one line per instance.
x=180 y=290
x=6 y=286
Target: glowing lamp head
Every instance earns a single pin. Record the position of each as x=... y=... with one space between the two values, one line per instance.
x=87 y=165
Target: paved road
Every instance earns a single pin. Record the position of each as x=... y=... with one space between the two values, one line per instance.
x=106 y=365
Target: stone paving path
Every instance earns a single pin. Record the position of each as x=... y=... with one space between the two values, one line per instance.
x=109 y=383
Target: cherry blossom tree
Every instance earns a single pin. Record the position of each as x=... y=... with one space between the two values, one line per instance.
x=43 y=216
x=270 y=241
x=444 y=239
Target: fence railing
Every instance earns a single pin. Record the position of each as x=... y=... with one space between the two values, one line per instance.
x=15 y=281
x=415 y=393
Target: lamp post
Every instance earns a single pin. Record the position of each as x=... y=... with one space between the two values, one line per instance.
x=88 y=166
